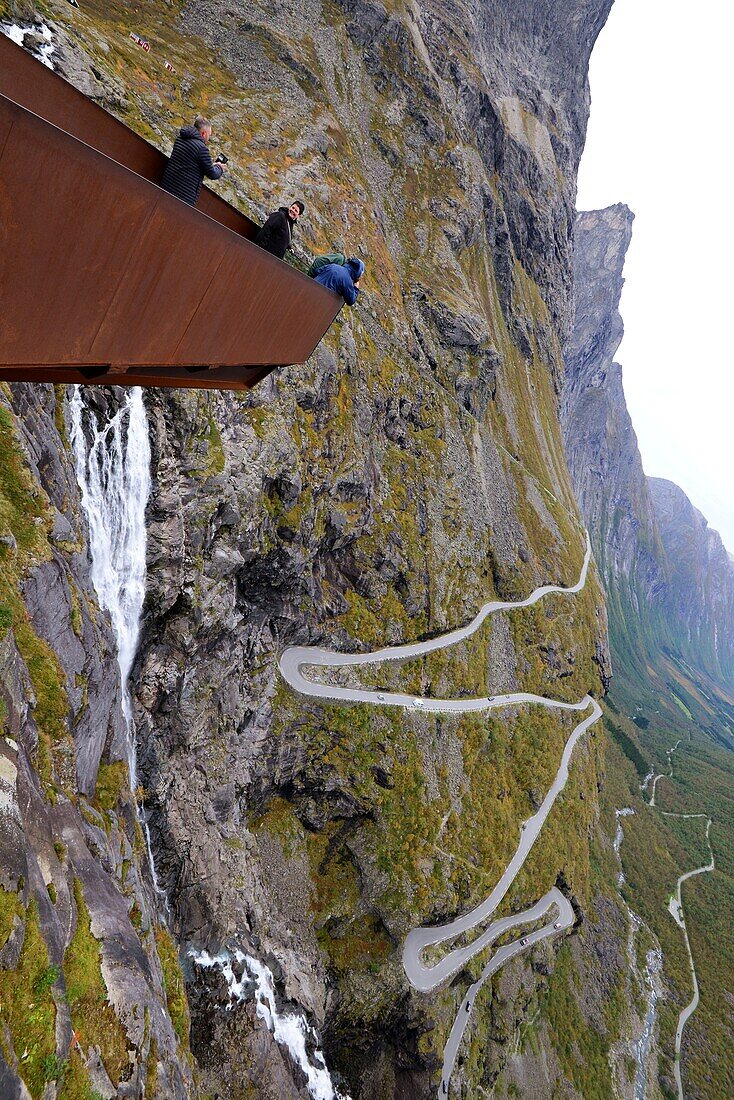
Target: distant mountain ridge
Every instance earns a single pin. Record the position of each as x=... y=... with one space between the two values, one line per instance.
x=701 y=585
x=669 y=578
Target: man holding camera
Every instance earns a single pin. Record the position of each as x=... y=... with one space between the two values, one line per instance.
x=190 y=161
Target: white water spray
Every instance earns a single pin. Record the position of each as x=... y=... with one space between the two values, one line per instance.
x=290 y=1030
x=641 y=1049
x=114 y=478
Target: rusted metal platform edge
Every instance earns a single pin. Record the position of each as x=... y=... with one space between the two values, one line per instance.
x=214 y=378
x=32 y=85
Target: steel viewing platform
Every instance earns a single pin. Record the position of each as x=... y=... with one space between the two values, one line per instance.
x=106 y=278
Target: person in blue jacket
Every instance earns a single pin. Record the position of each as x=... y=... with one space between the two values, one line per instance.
x=343 y=279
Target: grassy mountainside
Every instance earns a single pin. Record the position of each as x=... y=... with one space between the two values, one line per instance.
x=380 y=493
x=668 y=583
x=655 y=851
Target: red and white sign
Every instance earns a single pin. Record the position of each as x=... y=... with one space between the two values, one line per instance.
x=140 y=41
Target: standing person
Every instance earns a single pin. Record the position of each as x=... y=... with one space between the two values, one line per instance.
x=190 y=161
x=343 y=279
x=277 y=233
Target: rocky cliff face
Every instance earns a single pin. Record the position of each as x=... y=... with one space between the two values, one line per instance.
x=667 y=575
x=601 y=445
x=87 y=971
x=381 y=493
x=376 y=496
x=668 y=582
x=701 y=590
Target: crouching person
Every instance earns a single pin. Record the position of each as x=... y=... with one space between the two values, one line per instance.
x=343 y=279
x=323 y=261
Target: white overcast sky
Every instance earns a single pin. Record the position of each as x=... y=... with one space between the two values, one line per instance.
x=660 y=140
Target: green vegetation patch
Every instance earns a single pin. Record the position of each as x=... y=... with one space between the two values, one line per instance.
x=24 y=512
x=628 y=746
x=113 y=783
x=173 y=983
x=581 y=1048
x=10 y=907
x=27 y=1008
x=92 y=1016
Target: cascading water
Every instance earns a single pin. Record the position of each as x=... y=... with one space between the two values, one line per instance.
x=289 y=1029
x=619 y=837
x=114 y=478
x=641 y=1049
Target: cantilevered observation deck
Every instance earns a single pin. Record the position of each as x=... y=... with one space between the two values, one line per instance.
x=105 y=277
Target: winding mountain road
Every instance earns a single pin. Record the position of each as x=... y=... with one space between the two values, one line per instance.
x=295 y=658
x=423 y=977
x=693 y=1003
x=662 y=775
x=675 y=907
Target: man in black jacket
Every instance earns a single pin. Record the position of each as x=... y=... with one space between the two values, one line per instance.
x=190 y=162
x=277 y=233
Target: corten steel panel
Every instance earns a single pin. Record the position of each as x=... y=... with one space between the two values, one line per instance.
x=100 y=270
x=156 y=275
x=66 y=238
x=37 y=88
x=262 y=305
x=6 y=125
x=220 y=378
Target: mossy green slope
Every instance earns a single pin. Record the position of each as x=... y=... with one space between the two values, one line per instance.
x=380 y=493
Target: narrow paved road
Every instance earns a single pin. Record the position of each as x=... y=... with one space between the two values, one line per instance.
x=423 y=977
x=693 y=1003
x=294 y=659
x=662 y=775
x=676 y=912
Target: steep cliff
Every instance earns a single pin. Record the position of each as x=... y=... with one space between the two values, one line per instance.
x=601 y=445
x=88 y=973
x=701 y=587
x=668 y=577
x=668 y=582
x=411 y=471
x=408 y=473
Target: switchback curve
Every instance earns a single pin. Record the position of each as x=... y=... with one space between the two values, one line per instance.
x=676 y=912
x=292 y=663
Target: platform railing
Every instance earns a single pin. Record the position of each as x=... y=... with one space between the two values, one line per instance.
x=106 y=277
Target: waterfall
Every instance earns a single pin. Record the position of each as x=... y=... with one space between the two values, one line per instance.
x=114 y=479
x=641 y=1049
x=288 y=1029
